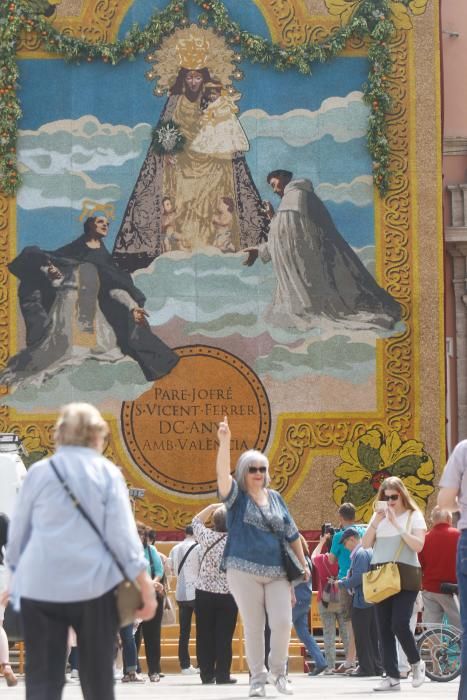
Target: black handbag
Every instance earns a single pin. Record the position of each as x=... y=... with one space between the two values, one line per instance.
x=293 y=568
x=128 y=593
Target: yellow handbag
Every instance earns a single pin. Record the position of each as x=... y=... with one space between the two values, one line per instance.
x=385 y=580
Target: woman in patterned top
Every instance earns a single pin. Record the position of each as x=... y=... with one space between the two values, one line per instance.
x=216 y=610
x=258 y=521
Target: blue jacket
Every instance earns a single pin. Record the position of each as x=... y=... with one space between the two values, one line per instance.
x=359 y=565
x=251 y=545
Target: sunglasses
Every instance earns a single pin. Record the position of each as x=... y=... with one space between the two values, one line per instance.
x=255 y=470
x=392 y=497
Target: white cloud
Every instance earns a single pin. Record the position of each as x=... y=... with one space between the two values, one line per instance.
x=83 y=144
x=343 y=118
x=358 y=192
x=69 y=190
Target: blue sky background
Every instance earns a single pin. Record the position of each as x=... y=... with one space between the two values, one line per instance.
x=52 y=90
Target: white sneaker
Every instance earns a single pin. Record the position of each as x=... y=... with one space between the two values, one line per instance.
x=418 y=674
x=257 y=690
x=387 y=685
x=281 y=684
x=118 y=673
x=74 y=674
x=190 y=671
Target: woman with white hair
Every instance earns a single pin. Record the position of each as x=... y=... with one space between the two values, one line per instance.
x=259 y=526
x=63 y=574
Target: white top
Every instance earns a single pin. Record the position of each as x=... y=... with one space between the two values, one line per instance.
x=12 y=475
x=388 y=539
x=455 y=477
x=186 y=582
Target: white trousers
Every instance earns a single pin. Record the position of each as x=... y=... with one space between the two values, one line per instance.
x=256 y=597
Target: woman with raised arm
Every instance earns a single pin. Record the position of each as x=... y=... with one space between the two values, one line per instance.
x=258 y=523
x=397 y=533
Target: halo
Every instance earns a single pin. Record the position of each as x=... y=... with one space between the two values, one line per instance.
x=192 y=48
x=90 y=207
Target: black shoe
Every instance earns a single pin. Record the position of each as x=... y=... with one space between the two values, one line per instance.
x=208 y=681
x=359 y=674
x=227 y=682
x=317 y=670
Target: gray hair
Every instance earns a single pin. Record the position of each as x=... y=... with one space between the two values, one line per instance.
x=247 y=459
x=440 y=515
x=79 y=424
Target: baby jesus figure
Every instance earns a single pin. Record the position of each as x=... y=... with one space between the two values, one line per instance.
x=220 y=134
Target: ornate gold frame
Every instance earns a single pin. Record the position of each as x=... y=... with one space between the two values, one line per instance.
x=299 y=437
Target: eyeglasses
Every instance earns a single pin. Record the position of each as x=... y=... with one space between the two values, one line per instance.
x=255 y=470
x=392 y=497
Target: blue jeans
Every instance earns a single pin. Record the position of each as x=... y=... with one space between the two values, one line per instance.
x=130 y=660
x=462 y=583
x=300 y=620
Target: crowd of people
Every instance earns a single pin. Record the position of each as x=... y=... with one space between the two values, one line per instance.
x=243 y=555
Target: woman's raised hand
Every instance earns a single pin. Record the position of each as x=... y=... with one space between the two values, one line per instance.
x=223 y=432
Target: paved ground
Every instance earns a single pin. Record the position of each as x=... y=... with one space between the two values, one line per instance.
x=176 y=687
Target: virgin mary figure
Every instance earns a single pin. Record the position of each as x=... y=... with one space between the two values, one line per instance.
x=174 y=202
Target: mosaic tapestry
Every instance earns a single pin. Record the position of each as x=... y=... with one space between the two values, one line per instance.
x=197 y=235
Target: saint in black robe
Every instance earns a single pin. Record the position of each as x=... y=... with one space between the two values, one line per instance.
x=38 y=295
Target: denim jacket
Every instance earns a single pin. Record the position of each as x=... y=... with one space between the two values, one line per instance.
x=251 y=545
x=359 y=565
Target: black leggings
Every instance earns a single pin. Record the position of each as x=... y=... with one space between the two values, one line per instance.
x=151 y=633
x=393 y=618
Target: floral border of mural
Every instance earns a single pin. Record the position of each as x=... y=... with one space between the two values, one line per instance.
x=374 y=456
x=375 y=21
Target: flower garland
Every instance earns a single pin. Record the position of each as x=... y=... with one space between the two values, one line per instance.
x=371 y=20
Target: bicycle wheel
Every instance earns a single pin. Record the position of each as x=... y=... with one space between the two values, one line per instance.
x=440 y=649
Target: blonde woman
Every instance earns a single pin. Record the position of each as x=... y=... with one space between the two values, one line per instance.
x=62 y=573
x=397 y=520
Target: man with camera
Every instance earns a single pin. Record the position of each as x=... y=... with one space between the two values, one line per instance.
x=340 y=554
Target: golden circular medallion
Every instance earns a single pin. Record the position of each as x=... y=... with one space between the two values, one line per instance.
x=171 y=429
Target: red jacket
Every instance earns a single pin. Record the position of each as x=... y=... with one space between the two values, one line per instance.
x=438 y=557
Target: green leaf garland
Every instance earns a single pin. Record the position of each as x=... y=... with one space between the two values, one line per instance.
x=371 y=20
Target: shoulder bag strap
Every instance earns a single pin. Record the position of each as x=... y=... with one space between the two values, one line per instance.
x=182 y=563
x=151 y=562
x=265 y=520
x=211 y=546
x=402 y=544
x=80 y=508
